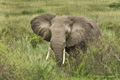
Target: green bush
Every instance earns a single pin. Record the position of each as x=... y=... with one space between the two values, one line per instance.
x=35 y=40
x=40 y=11
x=117 y=32
x=102 y=59
x=114 y=5
x=24 y=12
x=13 y=32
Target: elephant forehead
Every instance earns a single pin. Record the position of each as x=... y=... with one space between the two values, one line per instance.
x=57 y=26
x=57 y=30
x=61 y=19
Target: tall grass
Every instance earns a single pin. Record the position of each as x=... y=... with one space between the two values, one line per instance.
x=22 y=53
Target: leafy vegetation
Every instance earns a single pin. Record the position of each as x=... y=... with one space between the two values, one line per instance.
x=114 y=5
x=22 y=53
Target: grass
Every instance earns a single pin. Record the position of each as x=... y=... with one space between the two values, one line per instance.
x=22 y=53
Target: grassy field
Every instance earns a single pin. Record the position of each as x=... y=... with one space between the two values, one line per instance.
x=22 y=53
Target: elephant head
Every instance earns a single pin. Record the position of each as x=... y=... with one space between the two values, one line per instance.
x=64 y=31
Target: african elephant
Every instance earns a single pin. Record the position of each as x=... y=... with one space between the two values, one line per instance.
x=65 y=33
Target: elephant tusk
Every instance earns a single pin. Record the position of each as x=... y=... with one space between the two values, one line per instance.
x=63 y=56
x=48 y=53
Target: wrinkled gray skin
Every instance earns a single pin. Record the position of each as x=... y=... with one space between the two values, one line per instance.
x=65 y=32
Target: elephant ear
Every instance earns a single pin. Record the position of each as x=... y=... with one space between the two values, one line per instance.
x=79 y=31
x=41 y=25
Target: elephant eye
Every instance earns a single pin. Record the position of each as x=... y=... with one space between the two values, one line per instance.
x=68 y=29
x=66 y=32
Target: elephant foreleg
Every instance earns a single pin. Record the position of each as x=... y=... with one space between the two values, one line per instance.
x=48 y=53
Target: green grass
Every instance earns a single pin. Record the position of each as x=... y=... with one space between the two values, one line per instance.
x=22 y=53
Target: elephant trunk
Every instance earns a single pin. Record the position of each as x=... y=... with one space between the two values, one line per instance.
x=58 y=46
x=59 y=56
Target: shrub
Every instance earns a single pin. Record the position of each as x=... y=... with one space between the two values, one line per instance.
x=40 y=11
x=102 y=59
x=35 y=40
x=117 y=32
x=114 y=5
x=13 y=32
x=24 y=12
